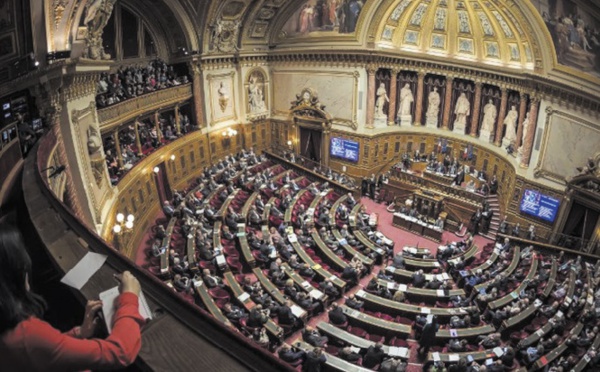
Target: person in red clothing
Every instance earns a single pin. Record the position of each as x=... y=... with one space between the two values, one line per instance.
x=27 y=343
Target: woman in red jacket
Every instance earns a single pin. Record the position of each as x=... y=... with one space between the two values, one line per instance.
x=27 y=343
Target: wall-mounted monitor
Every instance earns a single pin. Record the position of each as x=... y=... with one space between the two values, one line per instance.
x=539 y=205
x=344 y=149
x=6 y=106
x=36 y=124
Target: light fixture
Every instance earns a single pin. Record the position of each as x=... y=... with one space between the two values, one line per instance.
x=124 y=224
x=120 y=217
x=229 y=133
x=173 y=157
x=130 y=218
x=117 y=229
x=156 y=170
x=289 y=143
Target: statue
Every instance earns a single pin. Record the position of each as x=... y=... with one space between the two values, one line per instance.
x=589 y=168
x=406 y=100
x=382 y=98
x=526 y=129
x=94 y=142
x=97 y=15
x=433 y=107
x=255 y=96
x=462 y=110
x=511 y=126
x=224 y=35
x=223 y=97
x=97 y=159
x=489 y=117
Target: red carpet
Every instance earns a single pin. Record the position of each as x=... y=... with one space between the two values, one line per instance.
x=404 y=238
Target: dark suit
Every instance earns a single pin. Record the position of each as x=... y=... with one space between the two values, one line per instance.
x=337 y=316
x=373 y=357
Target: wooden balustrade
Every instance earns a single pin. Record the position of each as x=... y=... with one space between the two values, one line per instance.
x=114 y=115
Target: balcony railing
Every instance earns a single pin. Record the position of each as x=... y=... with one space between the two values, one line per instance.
x=113 y=116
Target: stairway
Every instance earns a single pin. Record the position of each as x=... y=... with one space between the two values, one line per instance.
x=495 y=223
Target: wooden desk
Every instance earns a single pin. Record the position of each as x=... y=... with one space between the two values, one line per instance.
x=248 y=204
x=351 y=251
x=244 y=298
x=583 y=362
x=288 y=212
x=333 y=259
x=313 y=292
x=446 y=334
x=335 y=206
x=557 y=351
x=507 y=272
x=353 y=340
x=379 y=326
x=209 y=302
x=405 y=276
x=223 y=209
x=318 y=269
x=191 y=249
x=422 y=294
x=413 y=225
x=503 y=301
x=486 y=265
x=333 y=363
x=519 y=318
x=246 y=250
x=164 y=257
x=394 y=307
x=276 y=293
x=454 y=357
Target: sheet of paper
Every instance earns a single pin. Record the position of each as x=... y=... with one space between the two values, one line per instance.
x=355 y=349
x=453 y=357
x=436 y=356
x=453 y=333
x=108 y=298
x=360 y=293
x=84 y=270
x=498 y=351
x=244 y=296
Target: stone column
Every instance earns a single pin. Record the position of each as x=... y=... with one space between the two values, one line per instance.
x=476 y=109
x=118 y=148
x=528 y=141
x=177 y=122
x=447 y=103
x=501 y=116
x=419 y=106
x=393 y=96
x=522 y=114
x=138 y=142
x=157 y=126
x=198 y=99
x=371 y=96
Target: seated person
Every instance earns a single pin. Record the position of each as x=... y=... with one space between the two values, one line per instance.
x=418 y=279
x=336 y=315
x=348 y=355
x=313 y=337
x=233 y=313
x=290 y=354
x=353 y=303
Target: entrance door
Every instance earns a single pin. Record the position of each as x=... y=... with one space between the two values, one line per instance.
x=310 y=144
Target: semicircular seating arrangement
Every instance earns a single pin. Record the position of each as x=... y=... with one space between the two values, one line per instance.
x=295 y=262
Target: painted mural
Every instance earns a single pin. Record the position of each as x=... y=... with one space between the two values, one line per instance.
x=324 y=16
x=575 y=31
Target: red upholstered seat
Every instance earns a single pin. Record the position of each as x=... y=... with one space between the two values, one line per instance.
x=376 y=338
x=358 y=332
x=154 y=270
x=398 y=342
x=234 y=264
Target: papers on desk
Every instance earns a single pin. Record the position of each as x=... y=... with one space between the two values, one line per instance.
x=436 y=356
x=316 y=294
x=489 y=361
x=360 y=293
x=401 y=352
x=324 y=193
x=425 y=310
x=537 y=302
x=292 y=238
x=108 y=298
x=410 y=250
x=445 y=276
x=453 y=357
x=198 y=283
x=241 y=225
x=243 y=297
x=498 y=351
x=316 y=267
x=355 y=349
x=441 y=293
x=305 y=284
x=343 y=241
x=297 y=311
x=539 y=332
x=390 y=269
x=84 y=270
x=453 y=333
x=391 y=285
x=310 y=211
x=221 y=260
x=333 y=278
x=402 y=287
x=379 y=250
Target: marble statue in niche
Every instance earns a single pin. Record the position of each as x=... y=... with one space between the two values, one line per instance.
x=490 y=113
x=461 y=110
x=97 y=15
x=256 y=99
x=526 y=129
x=406 y=100
x=223 y=96
x=382 y=98
x=97 y=159
x=511 y=126
x=433 y=108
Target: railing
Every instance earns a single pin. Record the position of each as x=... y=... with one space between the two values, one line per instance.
x=177 y=323
x=114 y=115
x=553 y=247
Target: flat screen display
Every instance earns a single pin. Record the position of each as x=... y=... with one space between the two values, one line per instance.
x=344 y=149
x=36 y=124
x=539 y=205
x=6 y=106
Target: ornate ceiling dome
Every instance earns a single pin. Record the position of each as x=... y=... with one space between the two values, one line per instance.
x=487 y=31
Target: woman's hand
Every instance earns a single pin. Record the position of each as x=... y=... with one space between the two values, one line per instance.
x=128 y=283
x=90 y=320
